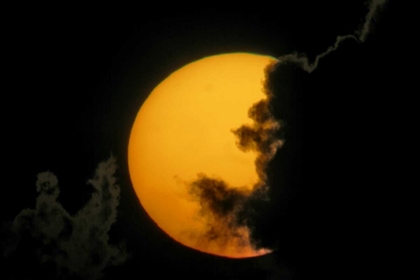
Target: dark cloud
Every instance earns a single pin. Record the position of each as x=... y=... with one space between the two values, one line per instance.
x=260 y=137
x=220 y=205
x=230 y=209
x=225 y=207
x=78 y=246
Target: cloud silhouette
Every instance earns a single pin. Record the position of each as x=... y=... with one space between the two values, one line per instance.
x=231 y=211
x=220 y=205
x=225 y=207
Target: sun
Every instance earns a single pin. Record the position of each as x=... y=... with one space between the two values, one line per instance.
x=185 y=136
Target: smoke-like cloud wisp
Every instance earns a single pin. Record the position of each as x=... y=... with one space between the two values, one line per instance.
x=359 y=35
x=227 y=209
x=78 y=245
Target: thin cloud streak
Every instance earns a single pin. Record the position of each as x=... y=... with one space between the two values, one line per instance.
x=359 y=35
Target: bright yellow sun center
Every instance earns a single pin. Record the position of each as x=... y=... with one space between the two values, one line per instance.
x=183 y=129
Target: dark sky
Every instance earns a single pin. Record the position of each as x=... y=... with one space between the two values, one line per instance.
x=75 y=81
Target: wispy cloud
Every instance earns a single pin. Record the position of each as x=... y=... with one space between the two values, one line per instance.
x=358 y=35
x=78 y=245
